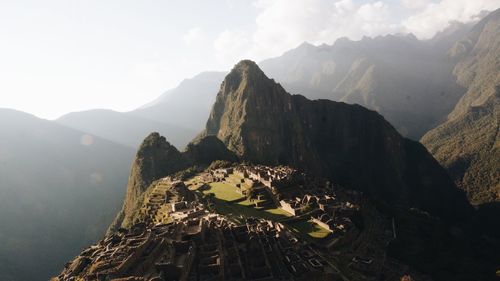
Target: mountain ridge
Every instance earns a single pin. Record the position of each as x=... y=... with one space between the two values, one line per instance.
x=467 y=143
x=408 y=81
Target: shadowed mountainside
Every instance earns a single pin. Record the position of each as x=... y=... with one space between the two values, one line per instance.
x=60 y=189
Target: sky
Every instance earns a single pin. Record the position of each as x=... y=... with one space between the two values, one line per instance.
x=61 y=56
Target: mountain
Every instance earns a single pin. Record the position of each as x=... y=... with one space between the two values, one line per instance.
x=468 y=143
x=60 y=189
x=408 y=81
x=157 y=158
x=187 y=105
x=261 y=123
x=124 y=128
x=406 y=193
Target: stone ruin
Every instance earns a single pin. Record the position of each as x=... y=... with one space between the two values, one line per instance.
x=195 y=245
x=204 y=248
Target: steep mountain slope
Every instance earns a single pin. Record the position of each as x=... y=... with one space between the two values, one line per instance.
x=60 y=189
x=468 y=143
x=124 y=128
x=261 y=123
x=157 y=158
x=187 y=105
x=408 y=81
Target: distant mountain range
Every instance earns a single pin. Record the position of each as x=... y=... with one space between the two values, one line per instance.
x=179 y=113
x=188 y=104
x=123 y=128
x=408 y=81
x=444 y=90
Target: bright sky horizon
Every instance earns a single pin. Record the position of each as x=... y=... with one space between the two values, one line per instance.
x=61 y=56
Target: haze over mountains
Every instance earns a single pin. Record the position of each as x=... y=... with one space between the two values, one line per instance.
x=179 y=113
x=444 y=91
x=60 y=189
x=186 y=105
x=408 y=81
x=451 y=79
x=123 y=128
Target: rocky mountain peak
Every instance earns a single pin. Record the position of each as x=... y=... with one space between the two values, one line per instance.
x=156 y=158
x=246 y=66
x=246 y=72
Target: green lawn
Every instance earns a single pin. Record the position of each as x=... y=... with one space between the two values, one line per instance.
x=247 y=202
x=235 y=210
x=309 y=228
x=223 y=191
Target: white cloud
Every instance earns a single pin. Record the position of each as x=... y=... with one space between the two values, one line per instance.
x=415 y=4
x=193 y=36
x=285 y=24
x=437 y=16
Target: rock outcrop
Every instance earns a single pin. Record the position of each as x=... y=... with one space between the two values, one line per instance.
x=157 y=158
x=261 y=123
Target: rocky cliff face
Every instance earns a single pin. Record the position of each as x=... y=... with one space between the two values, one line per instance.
x=468 y=143
x=261 y=123
x=157 y=158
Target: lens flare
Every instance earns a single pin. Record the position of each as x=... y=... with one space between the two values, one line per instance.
x=87 y=140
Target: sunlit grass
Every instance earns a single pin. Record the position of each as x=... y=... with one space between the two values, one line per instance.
x=234 y=211
x=223 y=191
